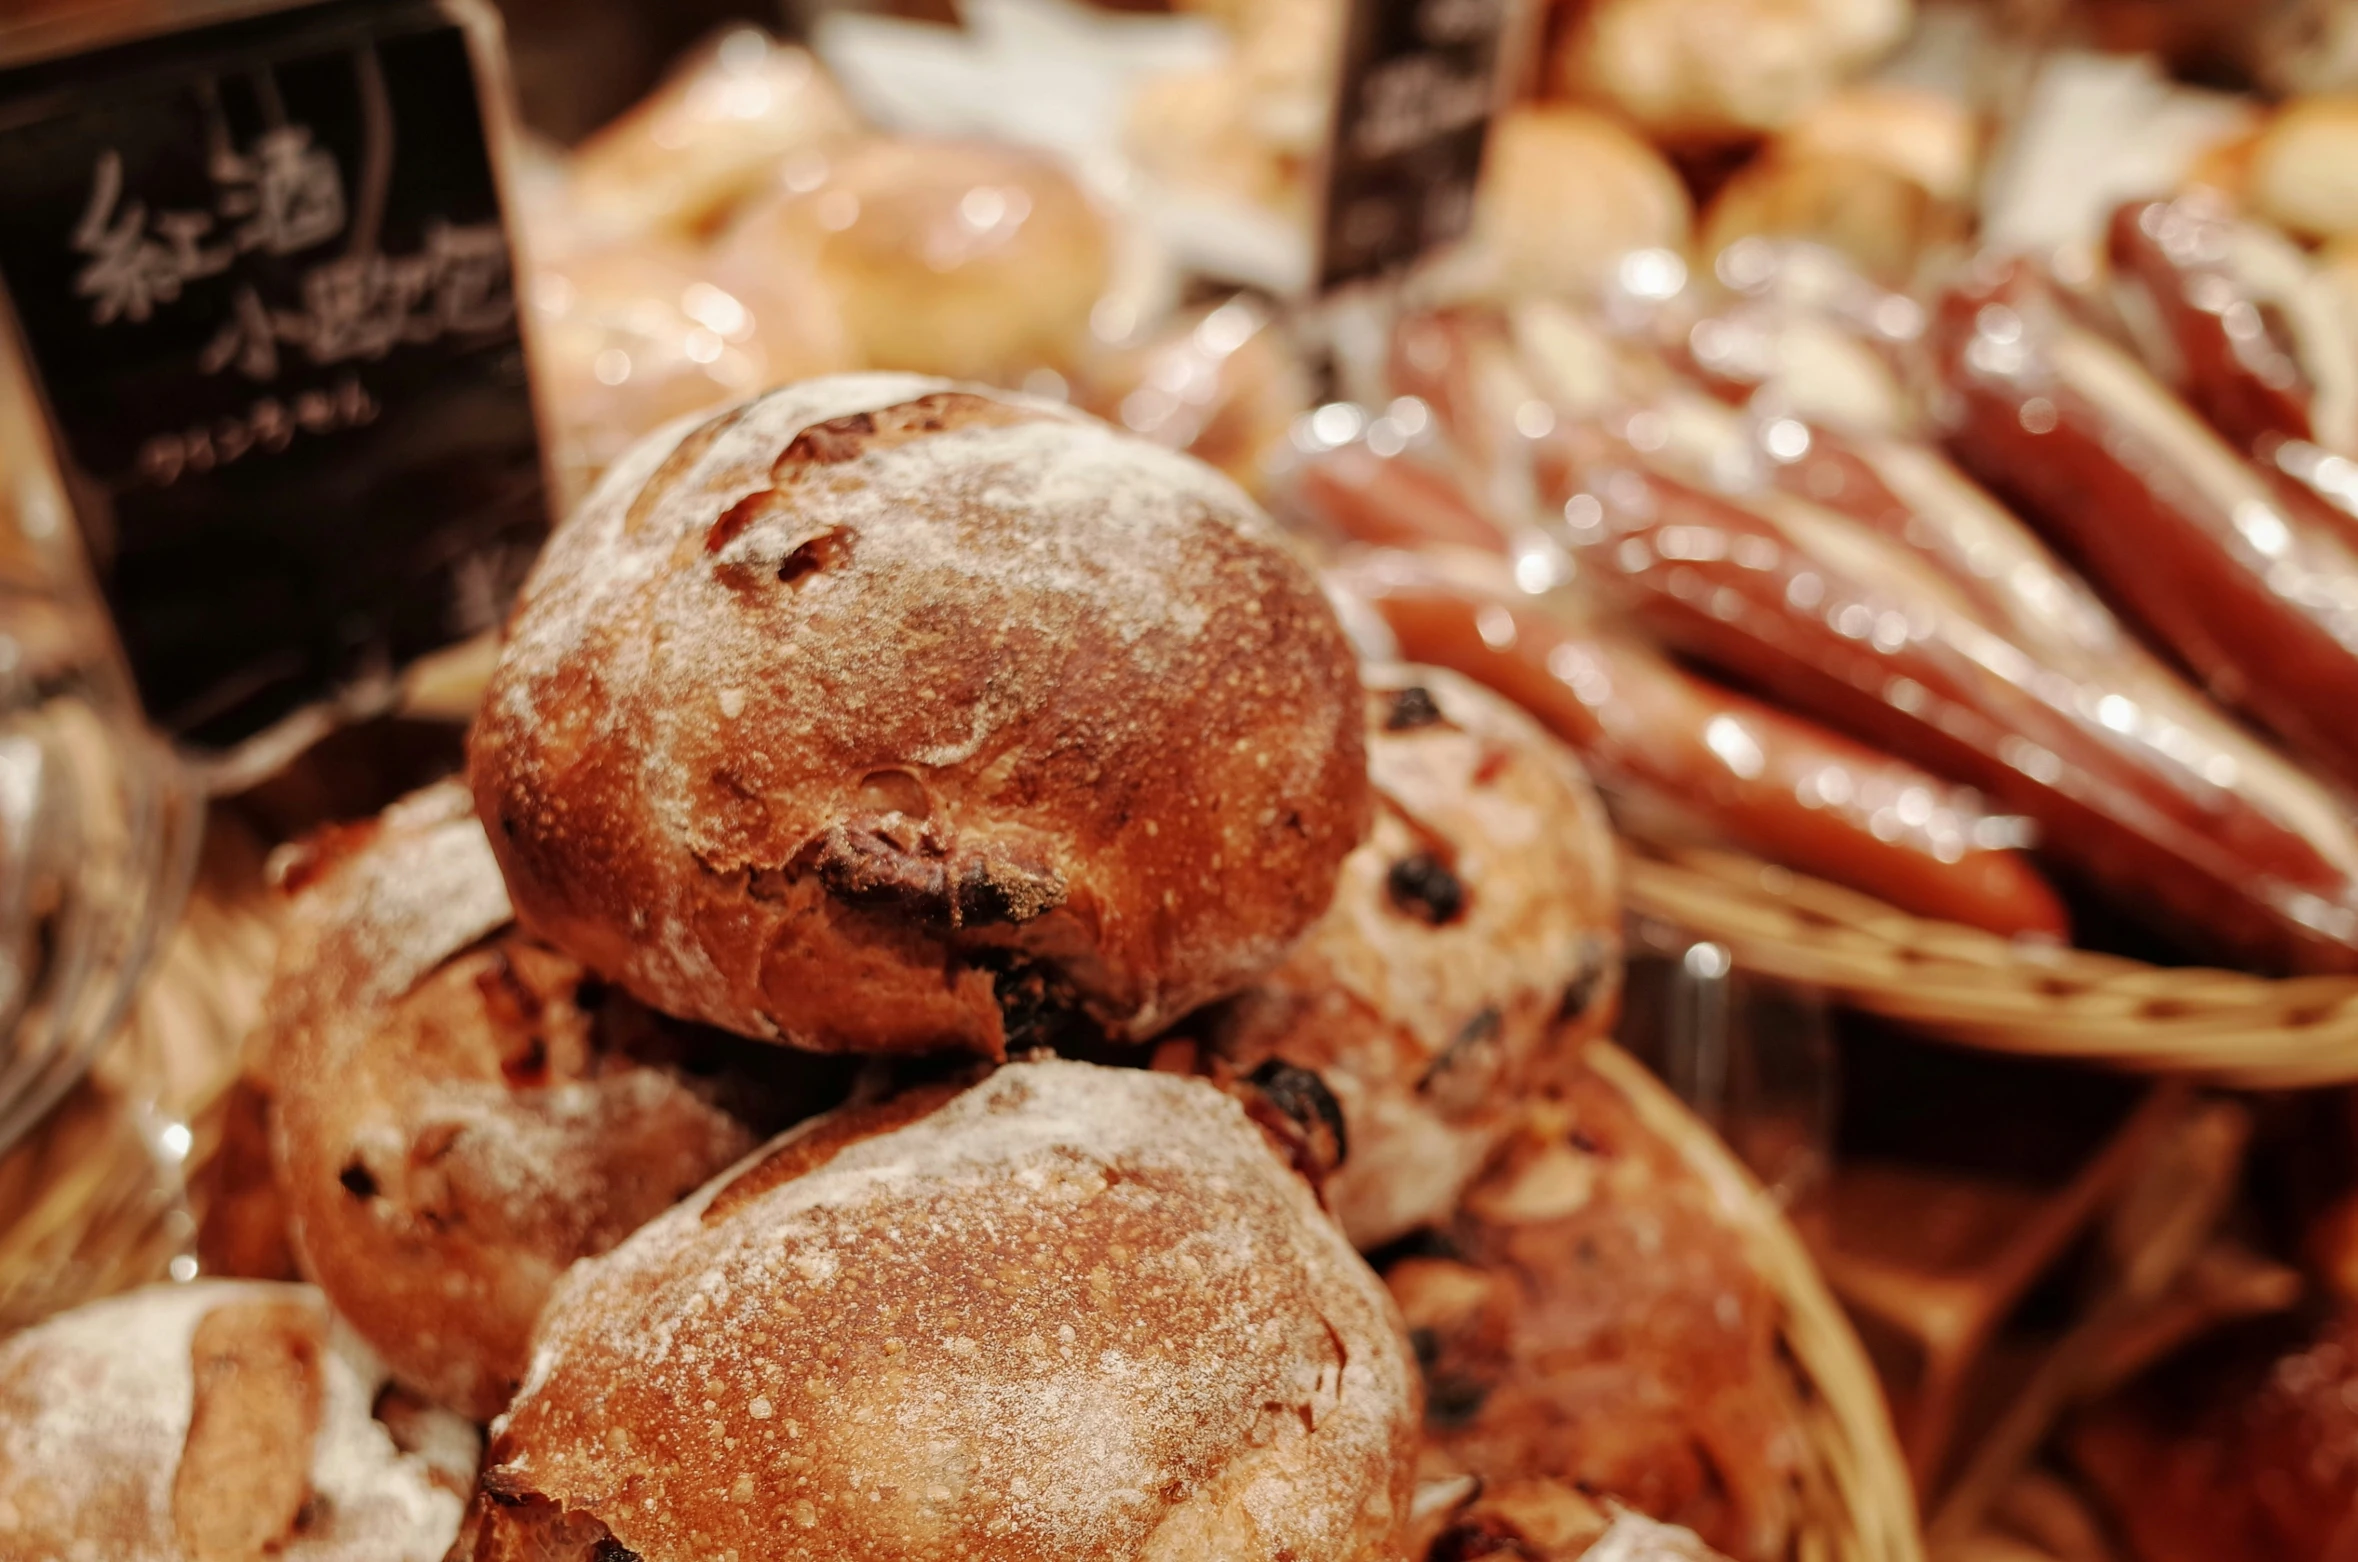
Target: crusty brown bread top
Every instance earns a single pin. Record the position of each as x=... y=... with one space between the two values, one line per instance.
x=1069 y=1313
x=1548 y=1521
x=875 y=707
x=1474 y=943
x=458 y=1112
x=220 y=1421
x=1594 y=1316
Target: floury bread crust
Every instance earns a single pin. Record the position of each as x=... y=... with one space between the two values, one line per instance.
x=458 y=1112
x=1473 y=948
x=221 y=1419
x=875 y=711
x=1069 y=1314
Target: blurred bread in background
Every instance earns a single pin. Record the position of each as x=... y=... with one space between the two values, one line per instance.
x=962 y=259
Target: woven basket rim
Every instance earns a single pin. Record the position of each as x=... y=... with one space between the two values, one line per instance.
x=1980 y=989
x=1870 y=1514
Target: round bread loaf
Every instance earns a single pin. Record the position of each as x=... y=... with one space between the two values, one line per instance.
x=1594 y=1316
x=962 y=258
x=1473 y=944
x=878 y=715
x=459 y=1112
x=1070 y=1313
x=220 y=1419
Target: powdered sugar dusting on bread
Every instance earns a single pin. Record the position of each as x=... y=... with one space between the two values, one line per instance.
x=1038 y=621
x=406 y=912
x=1074 y=1309
x=95 y=1407
x=1431 y=1036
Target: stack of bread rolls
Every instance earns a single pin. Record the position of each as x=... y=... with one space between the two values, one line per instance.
x=940 y=964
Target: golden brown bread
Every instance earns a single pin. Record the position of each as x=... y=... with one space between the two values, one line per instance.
x=1591 y=1318
x=459 y=1112
x=217 y=1421
x=1566 y=192
x=715 y=132
x=1070 y=1313
x=876 y=711
x=1547 y=1521
x=1473 y=944
x=962 y=258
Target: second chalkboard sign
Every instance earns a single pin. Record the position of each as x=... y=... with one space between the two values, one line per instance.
x=1420 y=83
x=260 y=268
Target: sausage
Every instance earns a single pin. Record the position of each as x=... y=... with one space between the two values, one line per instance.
x=2232 y=316
x=1389 y=501
x=1776 y=595
x=2248 y=582
x=1769 y=782
x=1772 y=783
x=1914 y=498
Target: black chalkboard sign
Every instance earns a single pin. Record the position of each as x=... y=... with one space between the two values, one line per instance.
x=1420 y=83
x=261 y=270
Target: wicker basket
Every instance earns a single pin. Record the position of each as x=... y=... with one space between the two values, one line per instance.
x=1974 y=987
x=1858 y=1505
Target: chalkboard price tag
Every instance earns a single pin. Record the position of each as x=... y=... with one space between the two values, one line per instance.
x=260 y=270
x=1420 y=82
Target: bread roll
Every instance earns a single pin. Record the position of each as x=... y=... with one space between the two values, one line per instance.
x=212 y=1421
x=1592 y=1318
x=627 y=337
x=1722 y=69
x=1253 y=126
x=2303 y=173
x=1225 y=386
x=717 y=130
x=1547 y=1521
x=1565 y=193
x=877 y=715
x=1874 y=215
x=459 y=1112
x=1069 y=1314
x=1928 y=137
x=1473 y=944
x=959 y=258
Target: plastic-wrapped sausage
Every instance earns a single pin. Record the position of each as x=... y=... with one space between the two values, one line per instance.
x=2248 y=581
x=1658 y=736
x=1772 y=783
x=2233 y=317
x=1837 y=621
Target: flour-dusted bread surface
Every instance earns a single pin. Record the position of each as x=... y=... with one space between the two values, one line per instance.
x=1474 y=944
x=874 y=711
x=457 y=1112
x=216 y=1420
x=1069 y=1313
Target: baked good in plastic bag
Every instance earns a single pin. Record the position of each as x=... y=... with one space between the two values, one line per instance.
x=719 y=128
x=1721 y=69
x=1252 y=127
x=627 y=337
x=1565 y=193
x=963 y=259
x=1224 y=385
